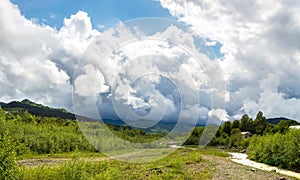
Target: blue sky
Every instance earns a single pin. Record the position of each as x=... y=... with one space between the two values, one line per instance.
x=102 y=12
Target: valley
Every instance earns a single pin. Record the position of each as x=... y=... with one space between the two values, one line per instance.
x=41 y=147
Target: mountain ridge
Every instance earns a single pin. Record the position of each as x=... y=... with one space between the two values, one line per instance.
x=42 y=110
x=276 y=120
x=38 y=109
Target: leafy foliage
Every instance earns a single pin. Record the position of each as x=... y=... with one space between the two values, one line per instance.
x=278 y=149
x=42 y=135
x=8 y=164
x=49 y=135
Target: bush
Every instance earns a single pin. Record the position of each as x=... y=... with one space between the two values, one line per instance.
x=281 y=150
x=8 y=165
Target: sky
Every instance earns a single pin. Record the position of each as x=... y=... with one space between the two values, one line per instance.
x=104 y=14
x=46 y=55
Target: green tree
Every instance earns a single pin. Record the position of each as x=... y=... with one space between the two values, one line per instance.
x=226 y=128
x=245 y=123
x=260 y=123
x=270 y=129
x=284 y=125
x=236 y=124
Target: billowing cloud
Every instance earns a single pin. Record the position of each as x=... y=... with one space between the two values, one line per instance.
x=37 y=61
x=91 y=83
x=153 y=77
x=218 y=114
x=260 y=46
x=148 y=78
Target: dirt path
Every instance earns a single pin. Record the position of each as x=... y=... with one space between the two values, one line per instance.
x=243 y=159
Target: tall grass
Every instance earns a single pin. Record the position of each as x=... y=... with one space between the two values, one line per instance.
x=183 y=164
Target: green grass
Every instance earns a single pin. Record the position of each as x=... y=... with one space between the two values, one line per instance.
x=182 y=164
x=82 y=154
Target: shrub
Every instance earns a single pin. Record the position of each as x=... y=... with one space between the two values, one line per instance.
x=279 y=149
x=8 y=165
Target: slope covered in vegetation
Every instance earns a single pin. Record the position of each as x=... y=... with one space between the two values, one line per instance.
x=37 y=109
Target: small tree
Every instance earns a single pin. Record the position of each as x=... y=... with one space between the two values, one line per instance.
x=235 y=124
x=227 y=128
x=260 y=123
x=246 y=123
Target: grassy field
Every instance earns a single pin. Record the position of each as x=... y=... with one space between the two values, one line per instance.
x=187 y=163
x=178 y=165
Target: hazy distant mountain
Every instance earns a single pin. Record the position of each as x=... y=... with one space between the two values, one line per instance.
x=45 y=111
x=276 y=120
x=37 y=109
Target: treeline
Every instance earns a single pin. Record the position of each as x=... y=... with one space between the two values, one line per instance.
x=273 y=144
x=229 y=134
x=232 y=134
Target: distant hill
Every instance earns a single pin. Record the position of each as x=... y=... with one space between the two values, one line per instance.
x=45 y=111
x=37 y=109
x=160 y=127
x=277 y=120
x=114 y=122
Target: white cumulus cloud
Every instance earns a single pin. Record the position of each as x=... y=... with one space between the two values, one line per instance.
x=37 y=61
x=260 y=46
